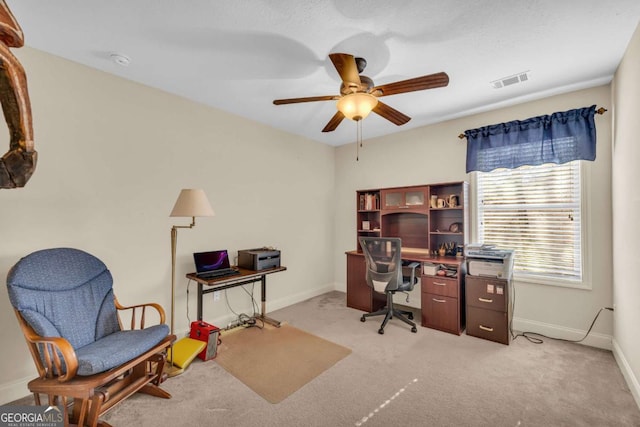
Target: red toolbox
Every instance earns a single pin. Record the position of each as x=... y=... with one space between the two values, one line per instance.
x=208 y=333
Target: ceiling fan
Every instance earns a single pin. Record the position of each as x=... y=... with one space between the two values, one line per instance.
x=358 y=95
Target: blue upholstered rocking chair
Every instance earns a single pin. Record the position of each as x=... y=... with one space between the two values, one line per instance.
x=65 y=305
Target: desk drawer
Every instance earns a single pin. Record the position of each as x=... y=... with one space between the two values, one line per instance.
x=488 y=293
x=444 y=286
x=440 y=312
x=488 y=324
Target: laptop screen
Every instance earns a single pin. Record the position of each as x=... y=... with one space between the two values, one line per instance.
x=210 y=261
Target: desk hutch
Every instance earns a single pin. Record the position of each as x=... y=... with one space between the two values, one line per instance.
x=433 y=222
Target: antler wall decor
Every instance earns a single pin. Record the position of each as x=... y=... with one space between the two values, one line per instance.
x=19 y=163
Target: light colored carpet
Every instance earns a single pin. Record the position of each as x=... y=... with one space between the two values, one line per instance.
x=275 y=362
x=430 y=378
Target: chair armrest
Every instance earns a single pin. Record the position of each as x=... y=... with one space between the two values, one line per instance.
x=412 y=265
x=143 y=309
x=51 y=355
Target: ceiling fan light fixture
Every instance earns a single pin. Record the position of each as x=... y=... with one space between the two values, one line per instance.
x=357 y=106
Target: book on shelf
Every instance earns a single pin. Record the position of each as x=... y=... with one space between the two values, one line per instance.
x=369 y=202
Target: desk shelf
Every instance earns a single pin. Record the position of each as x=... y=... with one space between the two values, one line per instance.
x=368 y=216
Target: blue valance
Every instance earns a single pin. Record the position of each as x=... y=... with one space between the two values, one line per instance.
x=556 y=138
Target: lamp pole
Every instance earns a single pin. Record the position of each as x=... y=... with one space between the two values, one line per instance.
x=190 y=203
x=174 y=243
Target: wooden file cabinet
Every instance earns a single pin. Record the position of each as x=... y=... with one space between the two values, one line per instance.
x=489 y=308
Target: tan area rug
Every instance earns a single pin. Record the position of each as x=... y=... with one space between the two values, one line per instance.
x=275 y=362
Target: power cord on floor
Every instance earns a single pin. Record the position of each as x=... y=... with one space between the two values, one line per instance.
x=533 y=336
x=244 y=319
x=188 y=316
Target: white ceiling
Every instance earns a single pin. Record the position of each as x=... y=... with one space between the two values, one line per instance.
x=240 y=55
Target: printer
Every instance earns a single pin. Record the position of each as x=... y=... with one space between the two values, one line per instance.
x=259 y=258
x=486 y=260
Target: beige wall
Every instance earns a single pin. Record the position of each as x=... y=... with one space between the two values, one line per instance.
x=626 y=205
x=113 y=158
x=434 y=154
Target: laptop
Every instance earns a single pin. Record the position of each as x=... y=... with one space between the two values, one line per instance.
x=213 y=264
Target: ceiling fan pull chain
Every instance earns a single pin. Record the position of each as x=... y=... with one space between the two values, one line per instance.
x=358 y=139
x=357 y=146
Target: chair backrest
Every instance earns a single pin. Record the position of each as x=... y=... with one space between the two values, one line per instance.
x=384 y=262
x=64 y=292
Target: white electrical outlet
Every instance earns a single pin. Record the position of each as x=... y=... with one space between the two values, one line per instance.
x=216 y=296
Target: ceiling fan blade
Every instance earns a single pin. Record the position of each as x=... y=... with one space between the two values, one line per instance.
x=307 y=99
x=346 y=66
x=411 y=85
x=391 y=114
x=334 y=122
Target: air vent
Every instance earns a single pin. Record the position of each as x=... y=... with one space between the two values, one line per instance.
x=510 y=80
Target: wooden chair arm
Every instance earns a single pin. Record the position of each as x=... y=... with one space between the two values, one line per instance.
x=51 y=355
x=142 y=308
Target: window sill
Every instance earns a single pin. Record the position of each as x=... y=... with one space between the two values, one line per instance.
x=550 y=281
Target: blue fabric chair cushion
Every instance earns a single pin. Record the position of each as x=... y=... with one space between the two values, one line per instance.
x=66 y=292
x=70 y=289
x=118 y=348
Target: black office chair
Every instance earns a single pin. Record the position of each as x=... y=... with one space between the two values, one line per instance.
x=385 y=275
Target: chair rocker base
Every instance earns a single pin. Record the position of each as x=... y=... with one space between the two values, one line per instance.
x=94 y=395
x=389 y=312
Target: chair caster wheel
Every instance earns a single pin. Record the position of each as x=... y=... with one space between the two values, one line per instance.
x=381 y=331
x=362 y=319
x=414 y=329
x=410 y=316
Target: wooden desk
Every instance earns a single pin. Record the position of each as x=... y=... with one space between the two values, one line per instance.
x=245 y=277
x=442 y=298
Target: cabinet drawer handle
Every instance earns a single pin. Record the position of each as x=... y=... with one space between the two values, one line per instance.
x=485 y=328
x=439 y=284
x=485 y=300
x=439 y=300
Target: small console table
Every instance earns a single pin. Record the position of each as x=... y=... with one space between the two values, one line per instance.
x=245 y=277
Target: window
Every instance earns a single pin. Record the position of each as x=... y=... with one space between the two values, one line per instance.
x=535 y=210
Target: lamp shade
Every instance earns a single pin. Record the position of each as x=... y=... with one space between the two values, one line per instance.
x=192 y=203
x=357 y=106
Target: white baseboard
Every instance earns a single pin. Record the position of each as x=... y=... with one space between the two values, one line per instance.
x=15 y=390
x=593 y=340
x=627 y=372
x=296 y=298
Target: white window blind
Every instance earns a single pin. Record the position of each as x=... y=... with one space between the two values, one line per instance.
x=535 y=210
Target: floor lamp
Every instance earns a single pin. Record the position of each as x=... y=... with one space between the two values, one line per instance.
x=190 y=203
